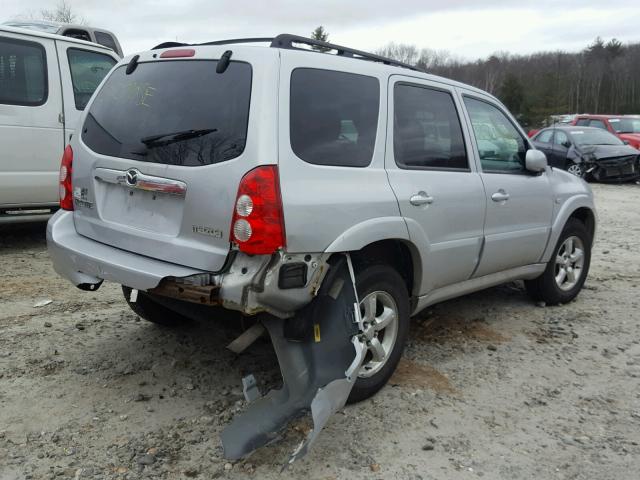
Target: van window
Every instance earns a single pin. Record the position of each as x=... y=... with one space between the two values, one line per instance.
x=105 y=39
x=333 y=117
x=426 y=129
x=177 y=112
x=87 y=71
x=23 y=73
x=77 y=33
x=502 y=149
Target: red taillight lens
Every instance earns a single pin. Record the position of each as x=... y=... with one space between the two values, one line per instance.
x=258 y=223
x=65 y=187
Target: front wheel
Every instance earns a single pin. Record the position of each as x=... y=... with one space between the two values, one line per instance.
x=567 y=270
x=576 y=169
x=384 y=306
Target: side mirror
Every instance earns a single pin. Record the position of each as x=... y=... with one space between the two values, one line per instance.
x=626 y=142
x=566 y=144
x=535 y=161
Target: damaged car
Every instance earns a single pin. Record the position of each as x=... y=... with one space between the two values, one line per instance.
x=329 y=192
x=590 y=153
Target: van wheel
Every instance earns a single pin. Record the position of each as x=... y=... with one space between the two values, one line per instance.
x=567 y=270
x=384 y=306
x=152 y=311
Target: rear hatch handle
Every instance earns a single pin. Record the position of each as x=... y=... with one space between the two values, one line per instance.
x=134 y=178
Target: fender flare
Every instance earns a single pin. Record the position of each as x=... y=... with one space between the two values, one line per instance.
x=387 y=228
x=561 y=218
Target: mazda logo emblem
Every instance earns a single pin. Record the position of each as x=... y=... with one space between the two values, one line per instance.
x=132 y=177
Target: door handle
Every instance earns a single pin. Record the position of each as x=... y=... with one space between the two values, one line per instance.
x=500 y=196
x=421 y=198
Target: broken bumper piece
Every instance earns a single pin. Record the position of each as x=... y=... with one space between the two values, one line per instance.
x=319 y=352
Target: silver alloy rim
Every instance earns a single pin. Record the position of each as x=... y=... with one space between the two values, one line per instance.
x=380 y=319
x=569 y=263
x=575 y=169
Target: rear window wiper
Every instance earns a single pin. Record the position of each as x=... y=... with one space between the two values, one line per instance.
x=167 y=138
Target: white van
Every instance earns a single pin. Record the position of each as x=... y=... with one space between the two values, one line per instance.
x=45 y=82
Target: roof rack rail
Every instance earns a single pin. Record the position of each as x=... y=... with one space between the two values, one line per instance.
x=288 y=41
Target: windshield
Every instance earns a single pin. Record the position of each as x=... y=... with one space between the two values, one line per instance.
x=625 y=125
x=178 y=112
x=594 y=136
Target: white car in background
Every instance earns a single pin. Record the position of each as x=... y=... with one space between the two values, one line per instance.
x=46 y=81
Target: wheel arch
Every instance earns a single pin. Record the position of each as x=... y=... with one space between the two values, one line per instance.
x=580 y=207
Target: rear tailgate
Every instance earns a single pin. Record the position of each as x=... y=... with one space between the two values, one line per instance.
x=163 y=149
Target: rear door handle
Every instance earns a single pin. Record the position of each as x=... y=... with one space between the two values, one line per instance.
x=500 y=196
x=421 y=198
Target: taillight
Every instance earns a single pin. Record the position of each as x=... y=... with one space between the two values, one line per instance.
x=65 y=186
x=258 y=223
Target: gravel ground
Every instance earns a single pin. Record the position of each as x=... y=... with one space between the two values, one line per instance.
x=491 y=384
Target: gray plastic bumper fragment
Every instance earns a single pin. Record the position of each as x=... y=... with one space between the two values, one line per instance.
x=318 y=368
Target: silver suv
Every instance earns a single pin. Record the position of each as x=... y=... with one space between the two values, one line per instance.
x=293 y=183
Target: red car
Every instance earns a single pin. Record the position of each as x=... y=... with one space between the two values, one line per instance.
x=625 y=127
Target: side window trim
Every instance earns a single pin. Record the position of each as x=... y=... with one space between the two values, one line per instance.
x=444 y=89
x=525 y=138
x=45 y=70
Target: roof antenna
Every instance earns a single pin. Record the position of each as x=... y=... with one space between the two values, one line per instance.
x=223 y=63
x=133 y=64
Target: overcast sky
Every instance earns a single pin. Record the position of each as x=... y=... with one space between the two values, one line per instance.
x=467 y=28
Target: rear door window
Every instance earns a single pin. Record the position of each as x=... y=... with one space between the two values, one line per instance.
x=178 y=112
x=544 y=137
x=23 y=73
x=426 y=129
x=87 y=71
x=583 y=122
x=597 y=124
x=333 y=117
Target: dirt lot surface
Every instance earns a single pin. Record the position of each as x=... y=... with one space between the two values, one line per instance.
x=491 y=385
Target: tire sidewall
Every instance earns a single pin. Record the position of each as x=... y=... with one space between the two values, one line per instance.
x=572 y=228
x=383 y=278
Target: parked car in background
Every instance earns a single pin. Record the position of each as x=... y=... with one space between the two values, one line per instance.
x=589 y=152
x=625 y=127
x=46 y=81
x=80 y=32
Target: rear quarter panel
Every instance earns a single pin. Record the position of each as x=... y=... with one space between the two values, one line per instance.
x=329 y=205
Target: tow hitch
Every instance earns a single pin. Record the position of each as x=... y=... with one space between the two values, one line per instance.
x=319 y=353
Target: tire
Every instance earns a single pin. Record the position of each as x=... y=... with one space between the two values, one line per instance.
x=546 y=287
x=152 y=311
x=388 y=289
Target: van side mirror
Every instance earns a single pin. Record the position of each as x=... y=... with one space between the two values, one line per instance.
x=535 y=161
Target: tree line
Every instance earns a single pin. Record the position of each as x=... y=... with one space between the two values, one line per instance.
x=602 y=78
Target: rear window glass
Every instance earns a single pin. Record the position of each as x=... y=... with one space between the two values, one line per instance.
x=334 y=117
x=23 y=73
x=106 y=40
x=87 y=71
x=178 y=112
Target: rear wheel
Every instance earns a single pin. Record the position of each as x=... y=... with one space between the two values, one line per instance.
x=146 y=308
x=567 y=270
x=384 y=306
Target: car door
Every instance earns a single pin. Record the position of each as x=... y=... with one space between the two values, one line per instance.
x=439 y=191
x=561 y=145
x=542 y=141
x=519 y=203
x=81 y=70
x=31 y=134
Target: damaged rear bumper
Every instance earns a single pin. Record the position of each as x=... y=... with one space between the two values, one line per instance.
x=250 y=284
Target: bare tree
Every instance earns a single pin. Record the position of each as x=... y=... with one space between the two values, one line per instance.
x=62 y=12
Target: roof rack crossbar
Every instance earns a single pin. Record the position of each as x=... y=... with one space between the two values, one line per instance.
x=288 y=41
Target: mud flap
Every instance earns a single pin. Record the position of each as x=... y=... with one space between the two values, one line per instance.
x=319 y=352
